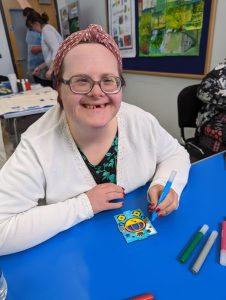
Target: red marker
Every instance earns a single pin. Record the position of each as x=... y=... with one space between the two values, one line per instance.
x=144 y=297
x=223 y=244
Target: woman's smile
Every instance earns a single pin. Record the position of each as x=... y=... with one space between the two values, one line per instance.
x=96 y=106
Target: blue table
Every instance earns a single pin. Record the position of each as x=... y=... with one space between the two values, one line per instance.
x=93 y=261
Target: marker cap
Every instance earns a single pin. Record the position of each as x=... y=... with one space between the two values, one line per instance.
x=223 y=257
x=204 y=229
x=223 y=245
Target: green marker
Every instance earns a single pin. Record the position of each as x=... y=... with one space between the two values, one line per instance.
x=197 y=238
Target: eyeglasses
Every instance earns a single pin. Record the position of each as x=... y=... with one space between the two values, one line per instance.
x=83 y=84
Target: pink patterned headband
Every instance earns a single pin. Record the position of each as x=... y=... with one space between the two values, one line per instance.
x=92 y=34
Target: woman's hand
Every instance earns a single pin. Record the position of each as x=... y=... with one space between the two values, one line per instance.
x=101 y=195
x=169 y=204
x=49 y=74
x=35 y=49
x=36 y=71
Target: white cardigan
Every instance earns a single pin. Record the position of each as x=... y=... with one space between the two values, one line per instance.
x=2 y=148
x=47 y=168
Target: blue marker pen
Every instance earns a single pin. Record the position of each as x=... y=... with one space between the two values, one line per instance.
x=164 y=192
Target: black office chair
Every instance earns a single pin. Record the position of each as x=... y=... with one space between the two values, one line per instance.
x=188 y=105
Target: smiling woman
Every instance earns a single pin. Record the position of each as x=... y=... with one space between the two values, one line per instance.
x=105 y=147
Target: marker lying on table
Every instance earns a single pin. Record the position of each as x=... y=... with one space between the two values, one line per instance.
x=143 y=297
x=205 y=250
x=164 y=192
x=223 y=245
x=190 y=248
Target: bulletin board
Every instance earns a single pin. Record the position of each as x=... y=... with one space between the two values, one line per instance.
x=177 y=66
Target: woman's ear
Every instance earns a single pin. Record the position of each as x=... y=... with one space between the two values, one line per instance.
x=58 y=88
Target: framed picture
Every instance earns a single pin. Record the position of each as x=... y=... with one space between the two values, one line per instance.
x=121 y=16
x=173 y=38
x=69 y=15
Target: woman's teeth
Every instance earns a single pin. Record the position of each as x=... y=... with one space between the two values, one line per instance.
x=95 y=106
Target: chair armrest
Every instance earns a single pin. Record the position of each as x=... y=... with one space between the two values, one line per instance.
x=196 y=147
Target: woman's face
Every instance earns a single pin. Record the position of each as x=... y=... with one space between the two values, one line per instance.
x=36 y=26
x=96 y=109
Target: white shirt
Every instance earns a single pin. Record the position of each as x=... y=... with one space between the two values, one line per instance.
x=48 y=168
x=50 y=42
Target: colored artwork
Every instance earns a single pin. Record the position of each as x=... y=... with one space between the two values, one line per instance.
x=122 y=25
x=64 y=22
x=134 y=225
x=69 y=18
x=170 y=27
x=73 y=14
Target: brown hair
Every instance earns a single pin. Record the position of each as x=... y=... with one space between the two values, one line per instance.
x=27 y=10
x=34 y=16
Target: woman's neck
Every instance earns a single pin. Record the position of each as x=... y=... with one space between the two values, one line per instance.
x=95 y=142
x=84 y=137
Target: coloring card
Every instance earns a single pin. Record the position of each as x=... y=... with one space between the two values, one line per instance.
x=134 y=225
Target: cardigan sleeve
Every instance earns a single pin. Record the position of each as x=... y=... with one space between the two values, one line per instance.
x=24 y=223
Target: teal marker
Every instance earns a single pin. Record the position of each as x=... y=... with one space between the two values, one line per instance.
x=190 y=248
x=164 y=193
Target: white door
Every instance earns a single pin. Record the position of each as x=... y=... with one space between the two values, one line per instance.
x=19 y=28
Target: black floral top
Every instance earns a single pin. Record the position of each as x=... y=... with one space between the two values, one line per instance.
x=105 y=171
x=212 y=92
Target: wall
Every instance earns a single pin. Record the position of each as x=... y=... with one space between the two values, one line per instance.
x=91 y=11
x=6 y=66
x=154 y=93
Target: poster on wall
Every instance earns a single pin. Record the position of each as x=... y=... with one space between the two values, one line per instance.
x=170 y=27
x=69 y=18
x=121 y=16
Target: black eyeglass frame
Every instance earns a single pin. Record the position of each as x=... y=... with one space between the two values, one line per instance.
x=119 y=80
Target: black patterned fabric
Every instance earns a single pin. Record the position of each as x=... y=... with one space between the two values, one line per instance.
x=211 y=120
x=105 y=171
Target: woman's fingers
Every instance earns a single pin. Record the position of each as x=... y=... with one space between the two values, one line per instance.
x=101 y=196
x=169 y=204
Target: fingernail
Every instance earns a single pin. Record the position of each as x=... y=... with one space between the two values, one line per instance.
x=123 y=203
x=160 y=215
x=157 y=209
x=152 y=204
x=123 y=188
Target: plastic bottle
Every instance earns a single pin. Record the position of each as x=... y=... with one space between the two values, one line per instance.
x=3 y=286
x=19 y=86
x=28 y=85
x=23 y=85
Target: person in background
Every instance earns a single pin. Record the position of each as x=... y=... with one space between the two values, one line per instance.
x=88 y=150
x=211 y=120
x=35 y=57
x=50 y=40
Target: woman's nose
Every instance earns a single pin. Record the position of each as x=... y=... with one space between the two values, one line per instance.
x=96 y=90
